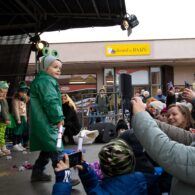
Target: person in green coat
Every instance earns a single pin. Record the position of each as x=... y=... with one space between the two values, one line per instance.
x=46 y=117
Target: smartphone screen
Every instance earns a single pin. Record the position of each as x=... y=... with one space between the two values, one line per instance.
x=169 y=85
x=75 y=159
x=187 y=85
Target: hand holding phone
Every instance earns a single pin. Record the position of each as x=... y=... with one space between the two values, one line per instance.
x=74 y=159
x=169 y=86
x=187 y=85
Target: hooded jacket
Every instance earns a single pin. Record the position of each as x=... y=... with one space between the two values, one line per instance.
x=132 y=183
x=45 y=112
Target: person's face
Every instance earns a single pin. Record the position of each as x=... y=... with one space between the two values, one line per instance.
x=159 y=92
x=2 y=94
x=55 y=69
x=120 y=131
x=175 y=117
x=64 y=99
x=22 y=94
x=162 y=117
x=5 y=91
x=102 y=91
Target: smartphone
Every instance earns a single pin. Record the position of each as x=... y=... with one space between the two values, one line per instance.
x=187 y=85
x=169 y=85
x=75 y=159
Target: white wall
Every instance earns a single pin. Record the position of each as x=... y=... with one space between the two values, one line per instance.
x=183 y=73
x=95 y=51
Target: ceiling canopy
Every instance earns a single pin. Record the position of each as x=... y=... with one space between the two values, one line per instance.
x=37 y=16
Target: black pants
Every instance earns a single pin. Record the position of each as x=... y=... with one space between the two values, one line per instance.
x=17 y=139
x=44 y=158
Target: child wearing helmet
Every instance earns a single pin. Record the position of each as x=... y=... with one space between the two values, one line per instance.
x=117 y=162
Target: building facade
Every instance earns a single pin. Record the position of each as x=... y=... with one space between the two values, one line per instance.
x=89 y=66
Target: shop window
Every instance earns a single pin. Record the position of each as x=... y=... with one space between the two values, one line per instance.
x=139 y=76
x=155 y=77
x=78 y=79
x=109 y=77
x=82 y=88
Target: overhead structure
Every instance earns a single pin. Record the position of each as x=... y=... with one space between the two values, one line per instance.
x=37 y=16
x=23 y=20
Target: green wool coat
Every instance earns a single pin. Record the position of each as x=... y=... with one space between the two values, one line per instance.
x=45 y=112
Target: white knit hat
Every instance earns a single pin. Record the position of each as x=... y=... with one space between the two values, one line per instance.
x=46 y=61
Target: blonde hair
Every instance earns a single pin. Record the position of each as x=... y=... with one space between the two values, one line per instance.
x=69 y=101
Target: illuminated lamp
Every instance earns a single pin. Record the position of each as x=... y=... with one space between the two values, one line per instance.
x=129 y=22
x=41 y=44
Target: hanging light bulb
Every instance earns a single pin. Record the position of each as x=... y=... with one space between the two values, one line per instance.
x=40 y=45
x=125 y=24
x=129 y=22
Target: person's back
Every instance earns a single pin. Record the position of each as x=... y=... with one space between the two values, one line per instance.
x=143 y=164
x=133 y=183
x=72 y=125
x=117 y=164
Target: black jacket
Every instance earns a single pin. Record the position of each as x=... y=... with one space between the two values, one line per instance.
x=71 y=122
x=143 y=164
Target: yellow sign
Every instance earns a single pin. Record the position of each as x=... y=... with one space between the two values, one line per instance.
x=127 y=49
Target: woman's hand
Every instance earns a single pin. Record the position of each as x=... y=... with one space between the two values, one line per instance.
x=188 y=95
x=171 y=91
x=138 y=105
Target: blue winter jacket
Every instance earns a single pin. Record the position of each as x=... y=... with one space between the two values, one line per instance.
x=62 y=188
x=129 y=184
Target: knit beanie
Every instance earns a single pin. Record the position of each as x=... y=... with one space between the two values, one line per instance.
x=116 y=158
x=46 y=61
x=23 y=87
x=4 y=85
x=121 y=125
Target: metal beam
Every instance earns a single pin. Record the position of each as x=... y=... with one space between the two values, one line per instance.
x=108 y=5
x=26 y=9
x=95 y=7
x=16 y=26
x=37 y=3
x=78 y=2
x=52 y=6
x=67 y=7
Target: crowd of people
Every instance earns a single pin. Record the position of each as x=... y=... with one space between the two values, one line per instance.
x=155 y=156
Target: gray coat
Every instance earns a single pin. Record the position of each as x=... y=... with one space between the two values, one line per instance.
x=177 y=134
x=177 y=159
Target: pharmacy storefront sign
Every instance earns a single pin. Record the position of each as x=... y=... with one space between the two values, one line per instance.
x=127 y=49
